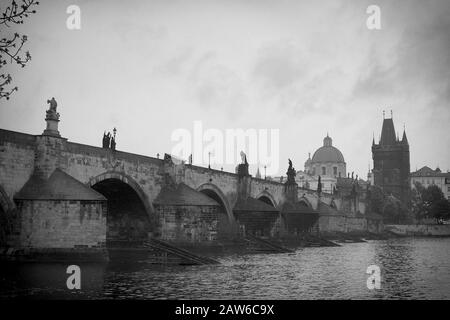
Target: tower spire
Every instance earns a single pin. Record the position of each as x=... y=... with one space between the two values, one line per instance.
x=404 y=138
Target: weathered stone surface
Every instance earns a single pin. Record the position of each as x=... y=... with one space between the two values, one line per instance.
x=60 y=224
x=187 y=223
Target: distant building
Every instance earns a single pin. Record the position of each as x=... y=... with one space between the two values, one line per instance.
x=307 y=181
x=391 y=162
x=328 y=163
x=428 y=177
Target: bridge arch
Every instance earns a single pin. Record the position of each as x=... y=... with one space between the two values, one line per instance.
x=130 y=215
x=266 y=197
x=305 y=201
x=226 y=223
x=212 y=191
x=130 y=182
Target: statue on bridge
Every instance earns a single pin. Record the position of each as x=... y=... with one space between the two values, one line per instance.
x=113 y=143
x=242 y=168
x=51 y=112
x=109 y=141
x=290 y=173
x=244 y=158
x=106 y=139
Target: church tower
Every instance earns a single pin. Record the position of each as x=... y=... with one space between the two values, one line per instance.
x=391 y=166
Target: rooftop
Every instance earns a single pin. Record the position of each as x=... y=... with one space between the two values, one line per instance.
x=428 y=172
x=297 y=207
x=59 y=186
x=181 y=195
x=252 y=204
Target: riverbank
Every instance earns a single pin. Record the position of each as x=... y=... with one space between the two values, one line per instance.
x=419 y=230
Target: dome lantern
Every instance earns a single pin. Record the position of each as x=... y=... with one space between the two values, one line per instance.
x=327 y=141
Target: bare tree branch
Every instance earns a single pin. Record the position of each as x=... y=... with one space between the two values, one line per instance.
x=11 y=46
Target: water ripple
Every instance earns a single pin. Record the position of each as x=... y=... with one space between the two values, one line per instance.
x=410 y=269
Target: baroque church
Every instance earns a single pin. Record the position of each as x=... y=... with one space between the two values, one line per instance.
x=328 y=163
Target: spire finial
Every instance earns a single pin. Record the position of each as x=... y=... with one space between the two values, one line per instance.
x=392 y=115
x=383 y=114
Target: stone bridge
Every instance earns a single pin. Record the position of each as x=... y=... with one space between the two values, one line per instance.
x=57 y=193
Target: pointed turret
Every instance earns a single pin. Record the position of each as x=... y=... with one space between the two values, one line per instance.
x=404 y=139
x=387 y=133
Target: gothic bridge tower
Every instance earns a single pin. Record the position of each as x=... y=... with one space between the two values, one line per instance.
x=391 y=166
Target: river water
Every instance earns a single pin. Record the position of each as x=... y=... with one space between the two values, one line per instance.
x=411 y=268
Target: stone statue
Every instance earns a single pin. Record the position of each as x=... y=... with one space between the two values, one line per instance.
x=113 y=143
x=319 y=186
x=242 y=168
x=51 y=112
x=104 y=140
x=53 y=104
x=290 y=173
x=243 y=157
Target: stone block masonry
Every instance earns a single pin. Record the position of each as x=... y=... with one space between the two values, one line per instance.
x=188 y=224
x=62 y=224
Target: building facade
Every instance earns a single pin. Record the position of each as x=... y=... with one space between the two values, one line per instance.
x=428 y=177
x=391 y=166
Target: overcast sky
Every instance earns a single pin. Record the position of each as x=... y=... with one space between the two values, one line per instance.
x=304 y=67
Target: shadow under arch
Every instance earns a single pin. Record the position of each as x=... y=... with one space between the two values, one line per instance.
x=206 y=188
x=267 y=198
x=130 y=182
x=129 y=218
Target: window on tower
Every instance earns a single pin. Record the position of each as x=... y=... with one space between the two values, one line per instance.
x=335 y=171
x=324 y=171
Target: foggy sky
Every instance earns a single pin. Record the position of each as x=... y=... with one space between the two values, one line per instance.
x=305 y=67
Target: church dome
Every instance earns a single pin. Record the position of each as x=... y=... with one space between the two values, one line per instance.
x=328 y=153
